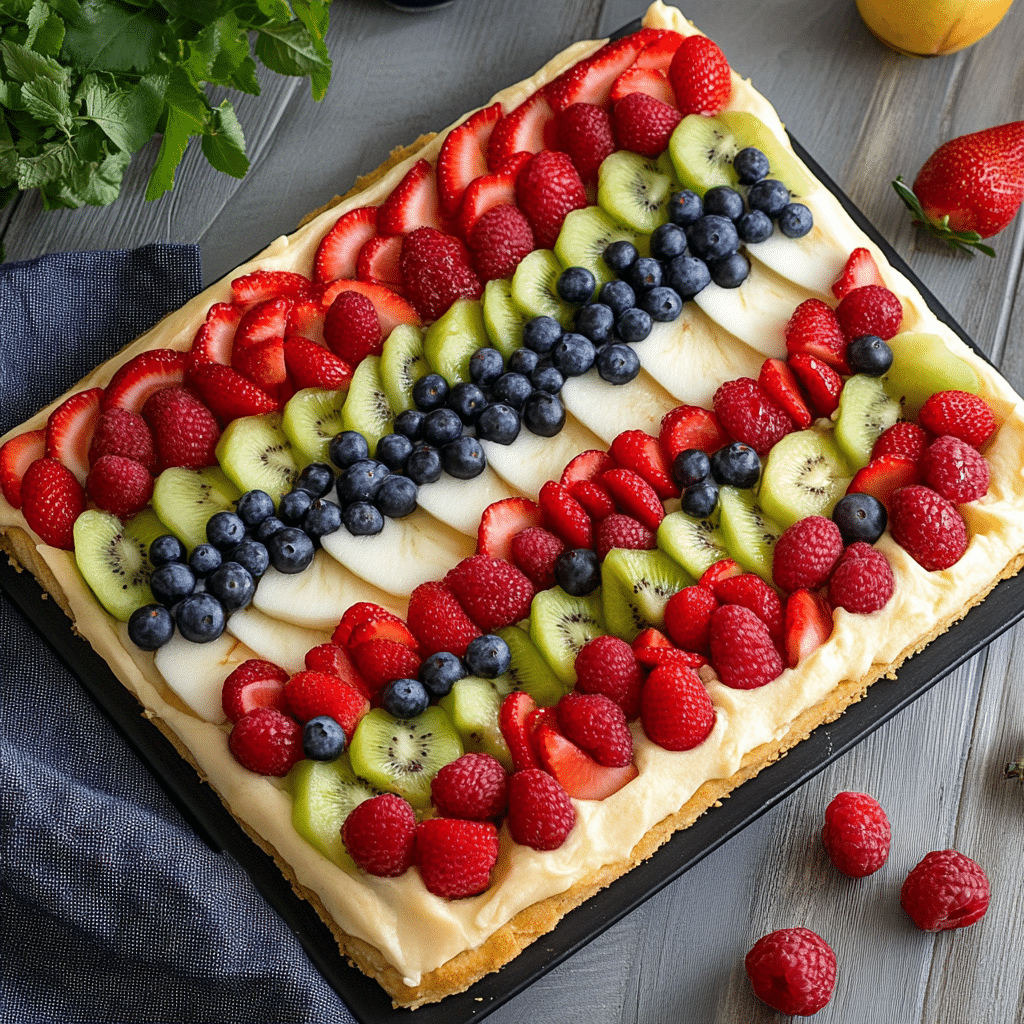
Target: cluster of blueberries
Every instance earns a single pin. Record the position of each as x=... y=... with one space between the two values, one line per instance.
x=699 y=475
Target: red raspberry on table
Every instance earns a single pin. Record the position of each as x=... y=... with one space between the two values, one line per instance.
x=535 y=550
x=266 y=741
x=862 y=581
x=700 y=76
x=742 y=651
x=185 y=432
x=927 y=526
x=540 y=812
x=644 y=124
x=945 y=890
x=438 y=621
x=123 y=432
x=584 y=131
x=688 y=618
x=957 y=470
x=548 y=188
x=961 y=414
x=750 y=416
x=254 y=684
x=793 y=970
x=607 y=665
x=436 y=272
x=455 y=857
x=494 y=592
x=474 y=786
x=379 y=835
x=622 y=531
x=596 y=724
x=51 y=500
x=872 y=309
x=675 y=709
x=856 y=834
x=806 y=553
x=499 y=240
x=905 y=440
x=119 y=485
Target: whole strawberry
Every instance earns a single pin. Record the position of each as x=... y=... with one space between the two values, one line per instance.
x=971 y=187
x=856 y=834
x=793 y=970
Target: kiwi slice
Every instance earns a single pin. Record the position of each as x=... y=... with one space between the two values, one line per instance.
x=367 y=408
x=923 y=365
x=696 y=544
x=502 y=319
x=865 y=410
x=473 y=705
x=402 y=363
x=184 y=499
x=635 y=587
x=533 y=287
x=256 y=454
x=324 y=793
x=749 y=534
x=452 y=339
x=585 y=235
x=113 y=558
x=749 y=130
x=633 y=191
x=560 y=624
x=805 y=475
x=529 y=671
x=311 y=418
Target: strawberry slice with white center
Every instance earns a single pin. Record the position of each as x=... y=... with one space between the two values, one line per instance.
x=336 y=255
x=463 y=157
x=412 y=204
x=586 y=466
x=591 y=80
x=392 y=309
x=215 y=339
x=860 y=270
x=883 y=476
x=723 y=569
x=261 y=285
x=501 y=521
x=580 y=775
x=691 y=426
x=526 y=129
x=254 y=684
x=379 y=262
x=515 y=709
x=15 y=457
x=306 y=320
x=69 y=430
x=263 y=322
x=228 y=394
x=263 y=363
x=488 y=191
x=141 y=376
x=657 y=55
x=646 y=80
x=313 y=366
x=781 y=386
x=643 y=454
x=808 y=625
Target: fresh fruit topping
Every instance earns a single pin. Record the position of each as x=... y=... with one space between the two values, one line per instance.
x=145 y=373
x=359 y=614
x=779 y=384
x=352 y=328
x=904 y=439
x=597 y=725
x=793 y=970
x=522 y=130
x=16 y=456
x=945 y=890
x=860 y=270
x=652 y=648
x=474 y=786
x=488 y=191
x=412 y=203
x=596 y=499
x=380 y=661
x=860 y=517
x=51 y=500
x=498 y=241
x=214 y=341
x=719 y=570
x=872 y=309
x=814 y=329
x=310 y=694
x=586 y=466
x=805 y=474
x=122 y=432
x=119 y=485
x=820 y=382
x=634 y=496
x=580 y=775
x=651 y=81
x=862 y=581
x=688 y=618
x=185 y=432
x=622 y=531
x=261 y=285
x=69 y=430
x=337 y=254
x=867 y=353
x=700 y=76
x=438 y=621
x=535 y=551
x=540 y=813
x=961 y=414
x=884 y=475
x=752 y=592
x=548 y=188
x=455 y=857
x=806 y=554
x=955 y=469
x=584 y=131
x=691 y=426
x=749 y=415
x=379 y=835
x=607 y=666
x=501 y=522
x=228 y=394
x=927 y=526
x=742 y=650
x=266 y=741
x=493 y=592
x=564 y=516
x=856 y=834
x=676 y=710
x=462 y=157
x=591 y=80
x=253 y=684
x=513 y=720
x=643 y=454
x=658 y=52
x=436 y=272
x=644 y=124
x=379 y=262
x=808 y=624
x=312 y=366
x=382 y=629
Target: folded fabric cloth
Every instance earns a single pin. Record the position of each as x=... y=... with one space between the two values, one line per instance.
x=112 y=908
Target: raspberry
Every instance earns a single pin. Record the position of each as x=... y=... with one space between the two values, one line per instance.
x=122 y=432
x=752 y=592
x=185 y=432
x=814 y=329
x=793 y=970
x=856 y=834
x=584 y=131
x=381 y=661
x=499 y=240
x=927 y=526
x=862 y=581
x=379 y=835
x=548 y=188
x=266 y=741
x=535 y=550
x=806 y=554
x=742 y=651
x=494 y=592
x=596 y=724
x=540 y=813
x=254 y=684
x=958 y=413
x=688 y=618
x=904 y=439
x=119 y=485
x=955 y=469
x=700 y=76
x=749 y=415
x=438 y=621
x=945 y=890
x=644 y=124
x=607 y=665
x=675 y=708
x=474 y=786
x=310 y=694
x=872 y=309
x=436 y=272
x=621 y=531
x=455 y=857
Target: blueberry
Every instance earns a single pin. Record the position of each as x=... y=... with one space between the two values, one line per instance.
x=543 y=414
x=362 y=519
x=633 y=326
x=724 y=202
x=795 y=220
x=573 y=355
x=224 y=530
x=317 y=478
x=730 y=272
x=540 y=335
x=488 y=656
x=294 y=506
x=860 y=517
x=617 y=363
x=499 y=423
x=578 y=571
x=576 y=285
x=468 y=401
x=441 y=671
x=699 y=499
x=618 y=296
x=463 y=458
x=232 y=585
x=685 y=208
x=430 y=392
x=424 y=465
x=713 y=237
x=397 y=496
x=869 y=354
x=171 y=582
x=486 y=365
x=323 y=518
x=167 y=549
x=547 y=378
x=750 y=165
x=362 y=480
x=200 y=618
x=736 y=465
x=620 y=256
x=204 y=559
x=513 y=389
x=393 y=450
x=267 y=529
x=644 y=274
x=668 y=241
x=347 y=447
x=690 y=467
x=255 y=506
x=404 y=698
x=253 y=556
x=768 y=195
x=687 y=275
x=409 y=423
x=150 y=626
x=754 y=226
x=323 y=739
x=663 y=304
x=597 y=320
x=290 y=550
x=441 y=426
x=525 y=360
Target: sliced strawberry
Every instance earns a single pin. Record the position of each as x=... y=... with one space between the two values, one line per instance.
x=522 y=130
x=564 y=516
x=214 y=340
x=412 y=203
x=814 y=329
x=336 y=255
x=253 y=684
x=229 y=395
x=392 y=309
x=262 y=322
x=463 y=157
x=306 y=320
x=313 y=366
x=807 y=626
x=723 y=569
x=580 y=775
x=263 y=363
x=261 y=285
x=15 y=457
x=69 y=430
x=884 y=475
x=591 y=80
x=334 y=660
x=779 y=384
x=596 y=499
x=647 y=80
x=359 y=614
x=643 y=454
x=501 y=521
x=586 y=466
x=651 y=637
x=378 y=262
x=512 y=718
x=652 y=656
x=820 y=382
x=634 y=496
x=488 y=191
x=691 y=426
x=51 y=500
x=143 y=374
x=383 y=629
x=658 y=53
x=860 y=270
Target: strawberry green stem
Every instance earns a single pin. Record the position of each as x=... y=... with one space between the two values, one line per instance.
x=962 y=241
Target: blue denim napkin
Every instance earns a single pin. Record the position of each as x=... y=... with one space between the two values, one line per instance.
x=111 y=909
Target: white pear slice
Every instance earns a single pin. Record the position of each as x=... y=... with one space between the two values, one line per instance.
x=404 y=554
x=812 y=262
x=461 y=503
x=317 y=597
x=283 y=643
x=608 y=409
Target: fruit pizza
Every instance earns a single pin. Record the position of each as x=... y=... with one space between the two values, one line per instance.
x=490 y=528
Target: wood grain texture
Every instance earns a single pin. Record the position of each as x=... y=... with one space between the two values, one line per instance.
x=866 y=114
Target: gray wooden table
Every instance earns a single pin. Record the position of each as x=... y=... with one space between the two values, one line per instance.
x=866 y=114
